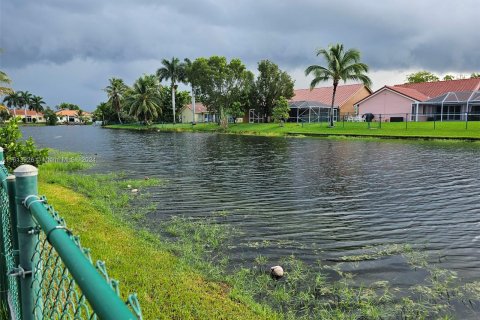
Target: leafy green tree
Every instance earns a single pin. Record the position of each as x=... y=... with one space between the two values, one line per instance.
x=281 y=111
x=182 y=98
x=448 y=77
x=19 y=152
x=475 y=75
x=50 y=117
x=422 y=76
x=221 y=83
x=67 y=106
x=340 y=65
x=36 y=104
x=236 y=110
x=105 y=113
x=271 y=84
x=175 y=72
x=144 y=99
x=116 y=92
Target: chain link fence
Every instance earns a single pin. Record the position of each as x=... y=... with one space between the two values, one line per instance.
x=45 y=271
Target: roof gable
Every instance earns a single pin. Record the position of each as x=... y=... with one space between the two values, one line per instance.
x=408 y=93
x=199 y=107
x=324 y=94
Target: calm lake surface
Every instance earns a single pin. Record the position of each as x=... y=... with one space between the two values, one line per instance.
x=316 y=199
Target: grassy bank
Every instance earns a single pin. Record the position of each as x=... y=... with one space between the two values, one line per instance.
x=410 y=130
x=184 y=273
x=98 y=207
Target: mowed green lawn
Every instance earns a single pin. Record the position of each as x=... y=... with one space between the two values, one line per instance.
x=437 y=130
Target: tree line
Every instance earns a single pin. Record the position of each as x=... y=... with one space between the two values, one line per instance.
x=225 y=88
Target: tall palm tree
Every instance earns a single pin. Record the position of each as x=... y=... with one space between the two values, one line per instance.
x=175 y=72
x=189 y=76
x=80 y=115
x=36 y=104
x=12 y=100
x=340 y=65
x=25 y=100
x=116 y=93
x=144 y=99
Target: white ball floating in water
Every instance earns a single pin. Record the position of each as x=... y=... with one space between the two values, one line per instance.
x=276 y=272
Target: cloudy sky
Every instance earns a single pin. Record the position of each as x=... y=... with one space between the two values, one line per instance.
x=66 y=50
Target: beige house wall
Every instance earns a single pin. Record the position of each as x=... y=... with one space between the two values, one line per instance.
x=348 y=106
x=40 y=118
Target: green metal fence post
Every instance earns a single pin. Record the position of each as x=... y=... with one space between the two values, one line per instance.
x=25 y=186
x=3 y=257
x=13 y=216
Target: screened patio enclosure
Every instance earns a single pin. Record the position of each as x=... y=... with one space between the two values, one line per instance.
x=310 y=111
x=460 y=106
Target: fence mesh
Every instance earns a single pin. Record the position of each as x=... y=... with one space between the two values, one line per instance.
x=13 y=285
x=57 y=294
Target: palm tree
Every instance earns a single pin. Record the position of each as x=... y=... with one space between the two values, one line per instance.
x=144 y=99
x=12 y=100
x=340 y=65
x=25 y=100
x=4 y=79
x=116 y=93
x=175 y=72
x=36 y=104
x=80 y=115
x=189 y=77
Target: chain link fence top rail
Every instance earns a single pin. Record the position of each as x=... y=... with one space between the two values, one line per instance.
x=56 y=292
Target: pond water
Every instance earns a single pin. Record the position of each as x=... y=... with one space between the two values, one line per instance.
x=317 y=199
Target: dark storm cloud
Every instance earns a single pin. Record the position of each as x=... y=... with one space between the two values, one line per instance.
x=391 y=34
x=118 y=34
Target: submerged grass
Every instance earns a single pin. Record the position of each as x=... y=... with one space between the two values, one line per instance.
x=184 y=273
x=99 y=208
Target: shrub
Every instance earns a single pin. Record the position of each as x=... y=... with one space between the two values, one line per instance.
x=19 y=152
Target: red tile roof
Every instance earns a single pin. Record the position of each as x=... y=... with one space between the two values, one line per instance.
x=71 y=113
x=21 y=112
x=409 y=92
x=437 y=88
x=199 y=107
x=324 y=94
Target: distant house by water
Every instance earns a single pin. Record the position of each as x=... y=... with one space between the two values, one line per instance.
x=30 y=116
x=440 y=100
x=71 y=116
x=201 y=114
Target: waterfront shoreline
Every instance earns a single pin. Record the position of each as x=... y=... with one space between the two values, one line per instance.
x=311 y=130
